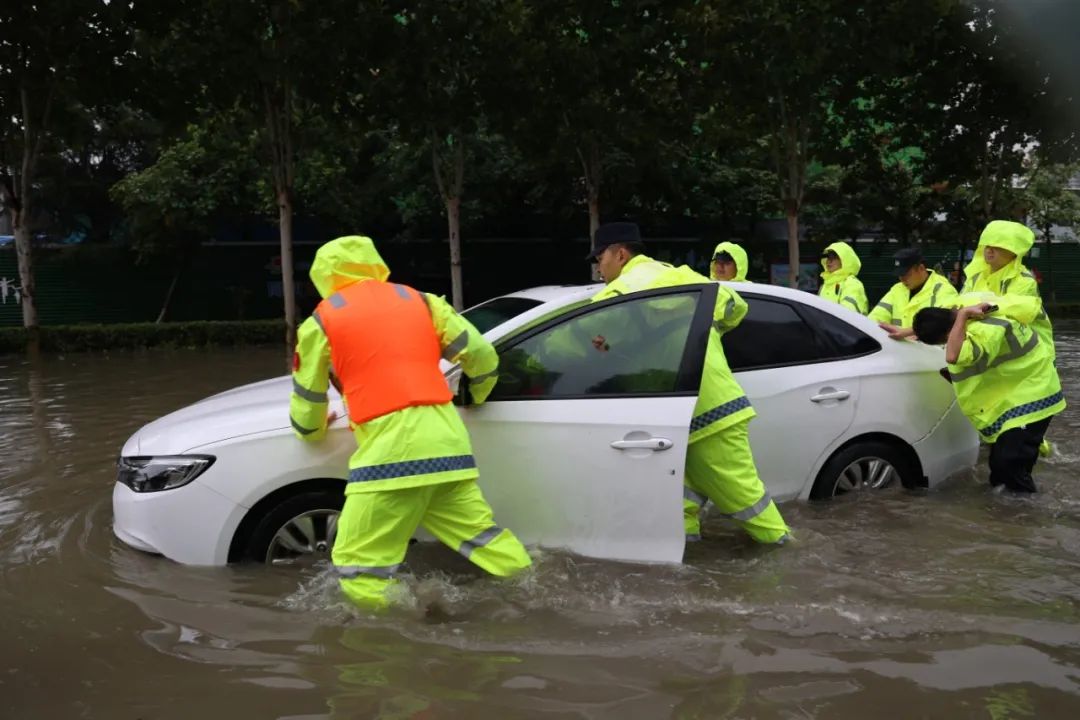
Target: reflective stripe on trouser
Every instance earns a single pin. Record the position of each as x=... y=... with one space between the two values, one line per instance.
x=721 y=468
x=374 y=530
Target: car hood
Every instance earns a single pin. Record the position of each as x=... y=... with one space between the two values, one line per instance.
x=245 y=410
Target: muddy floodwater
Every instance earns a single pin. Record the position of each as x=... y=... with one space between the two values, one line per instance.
x=956 y=603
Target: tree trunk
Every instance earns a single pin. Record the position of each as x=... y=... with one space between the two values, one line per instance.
x=288 y=283
x=24 y=253
x=453 y=226
x=793 y=245
x=594 y=223
x=451 y=194
x=169 y=294
x=590 y=166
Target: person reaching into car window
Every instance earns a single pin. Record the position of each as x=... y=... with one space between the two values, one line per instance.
x=719 y=464
x=1005 y=381
x=414 y=463
x=918 y=288
x=729 y=263
x=839 y=280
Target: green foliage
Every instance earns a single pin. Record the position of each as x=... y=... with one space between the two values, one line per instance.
x=85 y=338
x=209 y=174
x=1048 y=199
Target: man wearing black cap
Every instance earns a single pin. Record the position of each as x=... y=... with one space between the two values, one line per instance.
x=918 y=288
x=719 y=464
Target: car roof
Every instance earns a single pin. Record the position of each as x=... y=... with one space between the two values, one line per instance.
x=552 y=297
x=562 y=293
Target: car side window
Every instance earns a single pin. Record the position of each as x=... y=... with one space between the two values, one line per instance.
x=629 y=348
x=847 y=340
x=773 y=334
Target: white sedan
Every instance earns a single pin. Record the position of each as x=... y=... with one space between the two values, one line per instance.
x=577 y=449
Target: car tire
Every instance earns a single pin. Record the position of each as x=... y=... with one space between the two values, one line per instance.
x=298 y=530
x=864 y=465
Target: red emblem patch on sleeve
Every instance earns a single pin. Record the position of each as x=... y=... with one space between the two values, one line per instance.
x=295 y=361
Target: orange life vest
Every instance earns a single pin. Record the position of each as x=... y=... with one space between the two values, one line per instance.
x=384 y=348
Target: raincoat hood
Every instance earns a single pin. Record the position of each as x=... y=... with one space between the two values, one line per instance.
x=850 y=264
x=737 y=254
x=344 y=261
x=1012 y=236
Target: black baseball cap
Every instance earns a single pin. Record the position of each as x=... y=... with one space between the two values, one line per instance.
x=616 y=233
x=829 y=254
x=906 y=259
x=723 y=256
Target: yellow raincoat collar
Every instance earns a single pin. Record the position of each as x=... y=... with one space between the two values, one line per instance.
x=850 y=264
x=737 y=254
x=1013 y=236
x=344 y=261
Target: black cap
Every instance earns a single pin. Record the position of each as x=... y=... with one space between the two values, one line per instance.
x=906 y=259
x=829 y=254
x=723 y=256
x=616 y=233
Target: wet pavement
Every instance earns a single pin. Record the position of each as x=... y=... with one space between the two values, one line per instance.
x=957 y=603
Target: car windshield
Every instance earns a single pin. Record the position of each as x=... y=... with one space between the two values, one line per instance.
x=495 y=312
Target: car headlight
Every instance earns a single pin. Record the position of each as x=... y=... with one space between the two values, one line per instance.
x=167 y=472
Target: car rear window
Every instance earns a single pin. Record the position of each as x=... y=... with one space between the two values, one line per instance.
x=495 y=312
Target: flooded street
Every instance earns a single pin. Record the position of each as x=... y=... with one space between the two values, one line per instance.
x=956 y=603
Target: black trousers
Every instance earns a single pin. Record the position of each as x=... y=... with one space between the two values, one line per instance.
x=1013 y=456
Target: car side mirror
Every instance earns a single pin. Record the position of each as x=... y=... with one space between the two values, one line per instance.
x=463 y=397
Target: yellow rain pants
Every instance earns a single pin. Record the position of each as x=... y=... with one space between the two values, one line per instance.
x=375 y=528
x=720 y=467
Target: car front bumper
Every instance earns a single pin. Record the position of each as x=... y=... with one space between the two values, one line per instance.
x=192 y=524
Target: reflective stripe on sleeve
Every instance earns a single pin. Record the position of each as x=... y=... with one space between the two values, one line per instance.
x=480 y=540
x=719 y=413
x=982 y=362
x=849 y=299
x=309 y=395
x=412 y=467
x=318 y=321
x=300 y=428
x=485 y=376
x=454 y=349
x=351 y=571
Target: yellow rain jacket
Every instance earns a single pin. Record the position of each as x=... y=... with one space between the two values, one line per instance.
x=1005 y=375
x=843 y=286
x=1014 y=281
x=742 y=265
x=898 y=307
x=721 y=402
x=420 y=445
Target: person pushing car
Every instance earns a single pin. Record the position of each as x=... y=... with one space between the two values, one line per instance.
x=414 y=463
x=719 y=463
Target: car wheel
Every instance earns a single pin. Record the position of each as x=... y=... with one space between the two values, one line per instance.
x=300 y=530
x=871 y=465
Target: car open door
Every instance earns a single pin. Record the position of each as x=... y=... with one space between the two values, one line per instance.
x=582 y=444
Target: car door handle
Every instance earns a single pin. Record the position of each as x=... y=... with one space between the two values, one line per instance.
x=831 y=395
x=654 y=443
